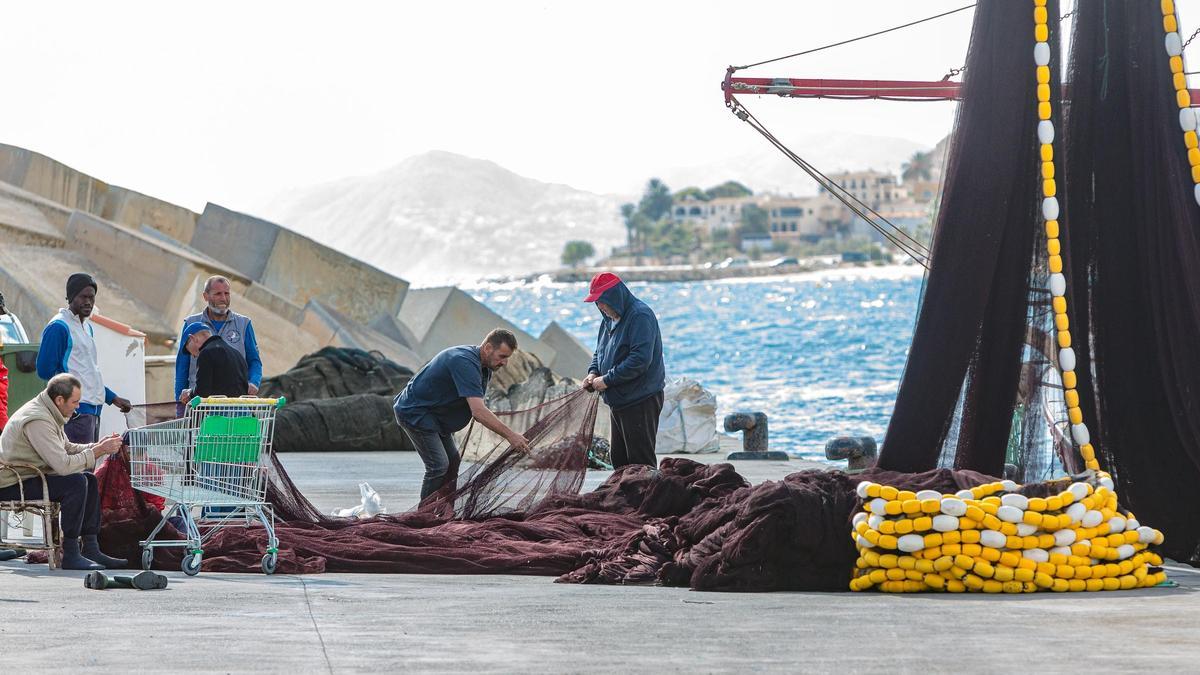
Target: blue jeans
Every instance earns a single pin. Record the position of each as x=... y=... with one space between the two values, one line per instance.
x=439 y=453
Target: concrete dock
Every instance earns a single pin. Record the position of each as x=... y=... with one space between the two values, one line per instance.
x=385 y=623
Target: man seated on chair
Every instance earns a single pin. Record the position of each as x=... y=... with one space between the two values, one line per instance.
x=35 y=436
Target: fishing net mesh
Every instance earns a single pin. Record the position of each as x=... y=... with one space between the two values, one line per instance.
x=682 y=523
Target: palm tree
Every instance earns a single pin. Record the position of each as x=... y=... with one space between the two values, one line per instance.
x=627 y=211
x=918 y=167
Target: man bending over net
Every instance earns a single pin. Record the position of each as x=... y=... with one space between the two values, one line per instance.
x=445 y=395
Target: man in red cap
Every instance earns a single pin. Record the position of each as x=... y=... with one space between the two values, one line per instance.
x=627 y=368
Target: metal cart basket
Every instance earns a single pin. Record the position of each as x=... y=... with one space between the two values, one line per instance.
x=214 y=460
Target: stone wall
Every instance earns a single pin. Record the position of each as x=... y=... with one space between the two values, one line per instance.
x=164 y=277
x=74 y=189
x=572 y=357
x=445 y=317
x=296 y=267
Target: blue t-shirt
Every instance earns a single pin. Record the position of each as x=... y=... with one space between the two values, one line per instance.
x=436 y=398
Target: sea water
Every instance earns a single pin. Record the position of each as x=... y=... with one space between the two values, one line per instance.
x=820 y=353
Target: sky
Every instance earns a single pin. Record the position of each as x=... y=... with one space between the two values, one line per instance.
x=236 y=102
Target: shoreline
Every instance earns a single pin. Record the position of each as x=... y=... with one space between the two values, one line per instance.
x=688 y=273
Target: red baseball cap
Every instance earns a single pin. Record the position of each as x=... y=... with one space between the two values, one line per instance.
x=600 y=283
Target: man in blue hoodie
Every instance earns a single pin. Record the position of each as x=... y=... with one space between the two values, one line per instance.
x=627 y=368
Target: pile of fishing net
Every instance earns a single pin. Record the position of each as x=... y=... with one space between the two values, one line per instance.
x=681 y=524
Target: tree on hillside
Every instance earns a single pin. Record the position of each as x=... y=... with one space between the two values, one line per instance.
x=576 y=252
x=692 y=192
x=918 y=167
x=627 y=211
x=656 y=200
x=755 y=221
x=643 y=227
x=730 y=188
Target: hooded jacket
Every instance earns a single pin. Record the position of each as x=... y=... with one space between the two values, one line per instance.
x=628 y=351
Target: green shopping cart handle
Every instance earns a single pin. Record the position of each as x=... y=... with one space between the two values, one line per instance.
x=241 y=400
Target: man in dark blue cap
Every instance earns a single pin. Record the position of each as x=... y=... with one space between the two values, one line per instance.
x=221 y=370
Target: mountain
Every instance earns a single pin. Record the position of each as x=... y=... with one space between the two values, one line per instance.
x=765 y=169
x=441 y=218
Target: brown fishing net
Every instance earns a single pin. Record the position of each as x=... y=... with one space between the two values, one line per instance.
x=683 y=524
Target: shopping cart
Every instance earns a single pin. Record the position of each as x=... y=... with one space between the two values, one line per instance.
x=214 y=460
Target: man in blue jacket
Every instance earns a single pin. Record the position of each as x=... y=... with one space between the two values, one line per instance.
x=69 y=346
x=235 y=329
x=627 y=368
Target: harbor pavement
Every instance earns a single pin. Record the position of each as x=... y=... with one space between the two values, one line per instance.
x=346 y=623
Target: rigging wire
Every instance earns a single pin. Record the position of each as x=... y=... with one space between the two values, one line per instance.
x=861 y=37
x=896 y=236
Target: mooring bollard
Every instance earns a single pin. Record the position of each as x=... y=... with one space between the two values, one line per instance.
x=754 y=436
x=859 y=451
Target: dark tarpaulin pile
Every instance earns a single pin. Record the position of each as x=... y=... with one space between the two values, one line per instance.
x=337 y=371
x=347 y=423
x=339 y=399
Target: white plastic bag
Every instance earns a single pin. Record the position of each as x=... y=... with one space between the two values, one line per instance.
x=688 y=422
x=371 y=504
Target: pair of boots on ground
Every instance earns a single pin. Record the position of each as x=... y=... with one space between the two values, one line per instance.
x=142 y=581
x=90 y=558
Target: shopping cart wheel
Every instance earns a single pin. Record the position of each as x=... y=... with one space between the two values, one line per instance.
x=191 y=564
x=269 y=562
x=147 y=558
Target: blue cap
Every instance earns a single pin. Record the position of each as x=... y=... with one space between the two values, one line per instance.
x=190 y=330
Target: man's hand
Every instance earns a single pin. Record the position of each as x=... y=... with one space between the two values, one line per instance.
x=587 y=381
x=109 y=445
x=598 y=384
x=519 y=443
x=122 y=404
x=185 y=396
x=252 y=389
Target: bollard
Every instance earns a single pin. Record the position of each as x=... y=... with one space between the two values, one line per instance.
x=754 y=436
x=1011 y=472
x=859 y=452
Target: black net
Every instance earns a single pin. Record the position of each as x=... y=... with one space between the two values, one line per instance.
x=338 y=371
x=346 y=423
x=1134 y=228
x=982 y=388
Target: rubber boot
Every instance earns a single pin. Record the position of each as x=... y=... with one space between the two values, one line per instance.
x=72 y=560
x=91 y=549
x=142 y=581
